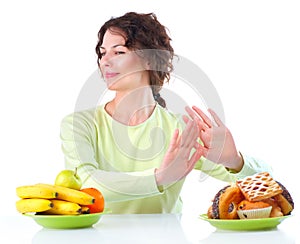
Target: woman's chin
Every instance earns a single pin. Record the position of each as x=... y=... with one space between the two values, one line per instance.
x=111 y=85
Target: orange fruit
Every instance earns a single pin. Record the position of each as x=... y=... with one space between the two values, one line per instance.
x=98 y=205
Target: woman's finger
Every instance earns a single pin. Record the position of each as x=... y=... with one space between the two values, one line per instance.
x=185 y=119
x=186 y=133
x=188 y=140
x=201 y=125
x=194 y=158
x=196 y=117
x=190 y=112
x=203 y=116
x=174 y=141
x=190 y=134
x=215 y=117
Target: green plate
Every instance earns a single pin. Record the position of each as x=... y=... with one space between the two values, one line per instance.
x=244 y=224
x=67 y=221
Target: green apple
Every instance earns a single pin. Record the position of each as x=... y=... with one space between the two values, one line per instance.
x=68 y=178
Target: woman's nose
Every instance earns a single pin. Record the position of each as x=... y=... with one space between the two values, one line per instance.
x=105 y=60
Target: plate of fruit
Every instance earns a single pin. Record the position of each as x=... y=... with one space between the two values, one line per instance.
x=67 y=221
x=62 y=205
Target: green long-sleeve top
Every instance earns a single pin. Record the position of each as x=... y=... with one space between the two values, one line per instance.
x=120 y=160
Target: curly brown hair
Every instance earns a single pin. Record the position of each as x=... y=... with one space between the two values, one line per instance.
x=144 y=32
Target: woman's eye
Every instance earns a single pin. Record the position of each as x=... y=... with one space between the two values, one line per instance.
x=116 y=53
x=119 y=52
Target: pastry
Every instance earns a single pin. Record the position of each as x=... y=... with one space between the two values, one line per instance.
x=225 y=203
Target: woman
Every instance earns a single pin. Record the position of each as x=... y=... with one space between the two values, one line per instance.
x=135 y=151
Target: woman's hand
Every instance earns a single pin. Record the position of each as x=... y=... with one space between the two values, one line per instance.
x=218 y=144
x=179 y=161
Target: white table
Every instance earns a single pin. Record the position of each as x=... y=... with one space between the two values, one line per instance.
x=143 y=229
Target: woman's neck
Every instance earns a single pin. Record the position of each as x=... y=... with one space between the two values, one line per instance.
x=132 y=108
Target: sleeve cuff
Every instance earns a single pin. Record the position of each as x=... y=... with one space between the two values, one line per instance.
x=251 y=166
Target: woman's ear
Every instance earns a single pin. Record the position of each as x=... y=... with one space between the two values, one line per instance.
x=147 y=65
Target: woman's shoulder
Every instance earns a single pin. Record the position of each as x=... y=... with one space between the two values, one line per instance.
x=167 y=114
x=87 y=115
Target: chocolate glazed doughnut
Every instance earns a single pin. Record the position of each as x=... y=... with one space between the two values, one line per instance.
x=215 y=205
x=225 y=203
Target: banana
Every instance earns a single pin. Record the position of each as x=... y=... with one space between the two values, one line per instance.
x=33 y=205
x=85 y=210
x=70 y=195
x=63 y=208
x=35 y=191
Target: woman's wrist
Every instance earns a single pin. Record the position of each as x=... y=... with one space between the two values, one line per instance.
x=238 y=163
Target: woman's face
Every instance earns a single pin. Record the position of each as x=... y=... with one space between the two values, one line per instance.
x=122 y=69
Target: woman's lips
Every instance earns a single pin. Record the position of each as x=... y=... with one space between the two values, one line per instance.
x=109 y=75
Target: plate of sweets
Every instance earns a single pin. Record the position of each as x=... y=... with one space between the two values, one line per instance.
x=254 y=203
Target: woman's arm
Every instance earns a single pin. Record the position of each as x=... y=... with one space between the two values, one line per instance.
x=77 y=134
x=251 y=166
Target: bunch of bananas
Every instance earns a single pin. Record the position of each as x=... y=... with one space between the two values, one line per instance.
x=52 y=199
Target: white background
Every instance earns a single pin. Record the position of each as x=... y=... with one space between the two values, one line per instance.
x=249 y=50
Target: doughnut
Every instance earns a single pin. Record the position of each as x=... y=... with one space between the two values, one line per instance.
x=285 y=200
x=225 y=203
x=214 y=212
